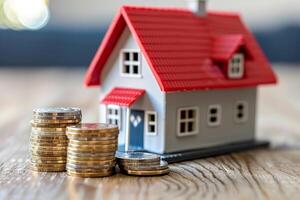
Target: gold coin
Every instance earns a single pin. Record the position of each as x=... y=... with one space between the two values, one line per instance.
x=103 y=146
x=49 y=158
x=81 y=150
x=91 y=138
x=90 y=159
x=43 y=125
x=104 y=142
x=55 y=144
x=91 y=155
x=48 y=144
x=146 y=173
x=49 y=138
x=48 y=134
x=44 y=117
x=48 y=165
x=41 y=129
x=48 y=148
x=160 y=166
x=37 y=161
x=35 y=132
x=125 y=163
x=91 y=170
x=49 y=121
x=91 y=163
x=47 y=153
x=48 y=169
x=92 y=127
x=85 y=168
x=91 y=135
x=90 y=174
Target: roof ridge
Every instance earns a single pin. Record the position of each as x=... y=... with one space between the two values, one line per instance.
x=178 y=9
x=223 y=13
x=156 y=8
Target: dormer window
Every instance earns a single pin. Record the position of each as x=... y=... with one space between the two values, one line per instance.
x=130 y=63
x=236 y=66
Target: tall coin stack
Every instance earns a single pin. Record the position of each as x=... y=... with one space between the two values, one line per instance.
x=48 y=140
x=91 y=150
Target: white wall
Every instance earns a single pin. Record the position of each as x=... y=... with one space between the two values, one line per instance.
x=153 y=99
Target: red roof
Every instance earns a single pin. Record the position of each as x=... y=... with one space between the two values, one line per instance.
x=224 y=46
x=123 y=96
x=180 y=48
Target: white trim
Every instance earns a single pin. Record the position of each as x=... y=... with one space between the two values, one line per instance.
x=195 y=120
x=147 y=123
x=245 y=113
x=130 y=63
x=127 y=131
x=236 y=70
x=113 y=116
x=218 y=115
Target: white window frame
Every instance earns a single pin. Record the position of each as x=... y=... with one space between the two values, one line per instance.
x=245 y=113
x=113 y=116
x=131 y=63
x=233 y=65
x=195 y=120
x=152 y=123
x=218 y=115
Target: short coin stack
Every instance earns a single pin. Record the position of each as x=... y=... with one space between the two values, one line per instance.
x=91 y=150
x=48 y=140
x=141 y=164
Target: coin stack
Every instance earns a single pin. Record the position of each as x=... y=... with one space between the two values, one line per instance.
x=91 y=150
x=48 y=140
x=141 y=164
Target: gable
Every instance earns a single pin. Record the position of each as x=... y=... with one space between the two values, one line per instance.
x=177 y=46
x=225 y=46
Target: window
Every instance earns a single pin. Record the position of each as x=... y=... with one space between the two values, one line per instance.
x=187 y=121
x=113 y=115
x=236 y=66
x=151 y=123
x=241 y=112
x=130 y=63
x=214 y=115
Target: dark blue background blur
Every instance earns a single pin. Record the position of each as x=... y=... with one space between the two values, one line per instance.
x=76 y=29
x=70 y=48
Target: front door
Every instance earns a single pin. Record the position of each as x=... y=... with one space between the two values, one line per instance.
x=136 y=121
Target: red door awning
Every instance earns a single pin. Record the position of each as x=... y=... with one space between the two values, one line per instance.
x=123 y=96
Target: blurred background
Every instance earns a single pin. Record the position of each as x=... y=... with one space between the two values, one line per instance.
x=68 y=32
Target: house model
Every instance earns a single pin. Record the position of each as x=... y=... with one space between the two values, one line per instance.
x=179 y=80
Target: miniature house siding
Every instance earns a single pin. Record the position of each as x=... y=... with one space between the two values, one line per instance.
x=153 y=99
x=227 y=132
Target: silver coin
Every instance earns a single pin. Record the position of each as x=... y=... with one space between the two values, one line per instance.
x=137 y=156
x=57 y=111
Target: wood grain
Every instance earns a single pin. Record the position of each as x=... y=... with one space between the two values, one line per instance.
x=258 y=174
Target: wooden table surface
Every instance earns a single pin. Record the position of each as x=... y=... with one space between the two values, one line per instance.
x=257 y=174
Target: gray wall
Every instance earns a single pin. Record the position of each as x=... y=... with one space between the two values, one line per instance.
x=227 y=132
x=153 y=100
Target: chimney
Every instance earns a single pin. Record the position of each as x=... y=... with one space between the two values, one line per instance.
x=198 y=7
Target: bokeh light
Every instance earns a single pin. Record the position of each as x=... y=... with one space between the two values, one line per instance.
x=24 y=14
